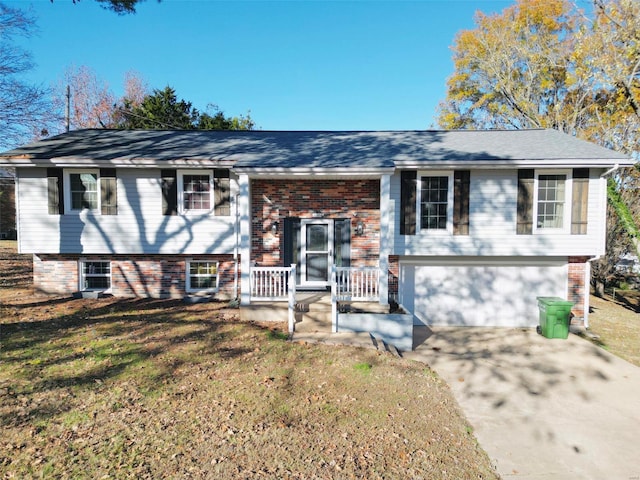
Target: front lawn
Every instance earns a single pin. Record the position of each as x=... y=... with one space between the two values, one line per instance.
x=159 y=389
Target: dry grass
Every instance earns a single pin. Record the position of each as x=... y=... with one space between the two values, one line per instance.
x=616 y=322
x=159 y=389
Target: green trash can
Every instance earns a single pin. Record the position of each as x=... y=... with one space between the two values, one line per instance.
x=555 y=314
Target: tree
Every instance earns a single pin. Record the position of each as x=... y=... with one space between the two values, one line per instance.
x=24 y=108
x=121 y=7
x=545 y=64
x=216 y=120
x=91 y=102
x=163 y=110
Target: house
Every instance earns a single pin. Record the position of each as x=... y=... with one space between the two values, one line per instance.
x=458 y=227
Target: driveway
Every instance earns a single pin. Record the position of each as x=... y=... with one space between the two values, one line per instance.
x=541 y=408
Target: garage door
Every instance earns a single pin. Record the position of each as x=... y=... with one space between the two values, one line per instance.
x=480 y=295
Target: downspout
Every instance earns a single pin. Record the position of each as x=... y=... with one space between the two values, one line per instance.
x=236 y=285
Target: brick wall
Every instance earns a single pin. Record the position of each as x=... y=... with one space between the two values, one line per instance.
x=577 y=288
x=155 y=276
x=274 y=200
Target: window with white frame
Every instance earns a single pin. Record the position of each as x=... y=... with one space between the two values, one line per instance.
x=195 y=191
x=552 y=197
x=95 y=275
x=82 y=190
x=202 y=276
x=435 y=202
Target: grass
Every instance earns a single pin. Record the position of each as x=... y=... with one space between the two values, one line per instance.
x=615 y=322
x=158 y=389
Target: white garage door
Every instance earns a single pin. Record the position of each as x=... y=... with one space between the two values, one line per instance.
x=480 y=295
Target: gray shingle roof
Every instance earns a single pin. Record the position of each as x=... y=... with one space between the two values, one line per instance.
x=325 y=150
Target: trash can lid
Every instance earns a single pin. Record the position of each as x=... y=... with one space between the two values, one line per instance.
x=553 y=301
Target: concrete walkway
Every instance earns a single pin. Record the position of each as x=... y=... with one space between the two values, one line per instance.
x=541 y=408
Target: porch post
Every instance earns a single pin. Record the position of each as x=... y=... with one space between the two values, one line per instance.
x=244 y=206
x=385 y=243
x=334 y=299
x=292 y=298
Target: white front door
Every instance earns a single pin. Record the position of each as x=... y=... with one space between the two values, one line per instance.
x=316 y=252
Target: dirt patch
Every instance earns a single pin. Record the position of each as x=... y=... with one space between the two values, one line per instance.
x=133 y=388
x=616 y=324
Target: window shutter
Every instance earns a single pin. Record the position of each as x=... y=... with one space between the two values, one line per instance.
x=342 y=242
x=579 y=201
x=461 y=184
x=525 y=202
x=108 y=191
x=292 y=247
x=408 y=188
x=169 y=192
x=221 y=193
x=55 y=191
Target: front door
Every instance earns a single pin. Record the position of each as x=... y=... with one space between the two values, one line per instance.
x=316 y=252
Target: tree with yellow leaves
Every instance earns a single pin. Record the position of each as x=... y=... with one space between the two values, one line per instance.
x=547 y=64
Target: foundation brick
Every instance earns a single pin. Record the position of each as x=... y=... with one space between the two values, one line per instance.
x=143 y=276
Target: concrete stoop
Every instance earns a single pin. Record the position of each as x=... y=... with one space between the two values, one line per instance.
x=351 y=339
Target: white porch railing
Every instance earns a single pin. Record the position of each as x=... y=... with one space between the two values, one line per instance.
x=276 y=284
x=353 y=284
x=357 y=283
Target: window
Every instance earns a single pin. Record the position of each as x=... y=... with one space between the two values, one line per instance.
x=435 y=202
x=83 y=189
x=95 y=275
x=552 y=192
x=202 y=276
x=94 y=190
x=195 y=191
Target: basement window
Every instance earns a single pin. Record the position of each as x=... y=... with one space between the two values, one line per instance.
x=202 y=276
x=95 y=276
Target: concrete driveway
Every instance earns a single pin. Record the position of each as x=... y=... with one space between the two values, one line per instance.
x=541 y=408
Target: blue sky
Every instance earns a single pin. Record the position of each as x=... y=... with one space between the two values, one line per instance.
x=295 y=65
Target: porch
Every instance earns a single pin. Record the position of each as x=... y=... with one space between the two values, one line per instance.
x=351 y=306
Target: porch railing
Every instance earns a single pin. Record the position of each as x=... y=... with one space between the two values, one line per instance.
x=353 y=284
x=357 y=283
x=275 y=284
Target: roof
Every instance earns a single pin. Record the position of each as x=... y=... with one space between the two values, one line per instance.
x=259 y=150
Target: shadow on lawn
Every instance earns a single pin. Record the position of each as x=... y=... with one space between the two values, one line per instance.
x=142 y=341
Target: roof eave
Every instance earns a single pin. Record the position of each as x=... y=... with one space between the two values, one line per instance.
x=72 y=162
x=511 y=164
x=353 y=172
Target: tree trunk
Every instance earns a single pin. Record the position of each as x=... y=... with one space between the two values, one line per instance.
x=599 y=290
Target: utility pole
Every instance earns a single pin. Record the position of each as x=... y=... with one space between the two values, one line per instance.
x=68 y=109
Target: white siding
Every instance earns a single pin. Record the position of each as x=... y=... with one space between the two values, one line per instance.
x=492 y=231
x=139 y=227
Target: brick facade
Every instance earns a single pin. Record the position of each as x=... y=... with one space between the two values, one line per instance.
x=576 y=286
x=274 y=200
x=155 y=276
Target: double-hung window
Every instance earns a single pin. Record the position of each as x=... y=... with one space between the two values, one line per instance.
x=95 y=275
x=435 y=202
x=83 y=188
x=93 y=190
x=552 y=200
x=202 y=276
x=195 y=191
